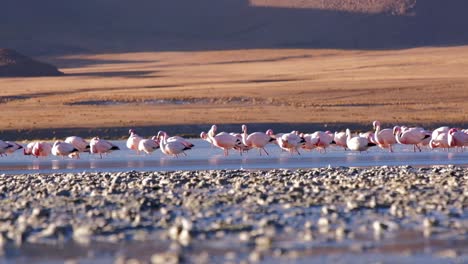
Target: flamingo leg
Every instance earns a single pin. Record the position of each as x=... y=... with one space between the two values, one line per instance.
x=265 y=152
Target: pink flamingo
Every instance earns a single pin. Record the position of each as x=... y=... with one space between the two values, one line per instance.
x=41 y=149
x=79 y=143
x=409 y=136
x=133 y=140
x=439 y=138
x=357 y=143
x=173 y=147
x=64 y=149
x=457 y=138
x=101 y=146
x=340 y=139
x=175 y=138
x=310 y=141
x=383 y=138
x=223 y=140
x=28 y=149
x=257 y=139
x=149 y=145
x=324 y=139
x=291 y=142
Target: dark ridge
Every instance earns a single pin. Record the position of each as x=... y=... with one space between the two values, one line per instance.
x=52 y=27
x=14 y=64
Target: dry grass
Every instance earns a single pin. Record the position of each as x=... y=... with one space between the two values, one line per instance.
x=423 y=85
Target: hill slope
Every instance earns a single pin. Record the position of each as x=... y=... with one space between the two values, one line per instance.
x=55 y=26
x=13 y=64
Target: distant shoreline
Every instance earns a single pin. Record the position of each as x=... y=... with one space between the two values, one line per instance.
x=193 y=130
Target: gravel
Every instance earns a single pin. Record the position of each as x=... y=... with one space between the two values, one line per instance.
x=236 y=215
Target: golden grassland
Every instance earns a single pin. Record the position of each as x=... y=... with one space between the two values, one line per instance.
x=413 y=86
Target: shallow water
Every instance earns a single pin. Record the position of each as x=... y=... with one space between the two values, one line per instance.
x=205 y=157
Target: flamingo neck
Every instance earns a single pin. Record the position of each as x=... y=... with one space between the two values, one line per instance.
x=398 y=136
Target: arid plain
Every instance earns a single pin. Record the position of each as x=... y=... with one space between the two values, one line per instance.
x=423 y=86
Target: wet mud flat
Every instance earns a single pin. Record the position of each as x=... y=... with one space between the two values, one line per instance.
x=343 y=215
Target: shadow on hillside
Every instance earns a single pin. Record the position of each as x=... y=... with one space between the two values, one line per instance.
x=126 y=74
x=90 y=26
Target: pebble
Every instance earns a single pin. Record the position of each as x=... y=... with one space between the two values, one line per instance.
x=190 y=209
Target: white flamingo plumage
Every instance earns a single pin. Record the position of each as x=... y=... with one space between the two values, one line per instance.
x=357 y=143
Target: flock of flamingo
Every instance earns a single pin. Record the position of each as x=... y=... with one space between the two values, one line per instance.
x=442 y=137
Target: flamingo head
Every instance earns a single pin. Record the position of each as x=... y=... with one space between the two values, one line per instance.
x=396 y=130
x=452 y=130
x=269 y=132
x=161 y=134
x=348 y=132
x=244 y=128
x=131 y=131
x=203 y=135
x=375 y=124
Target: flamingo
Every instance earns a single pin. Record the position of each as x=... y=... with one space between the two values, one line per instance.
x=441 y=141
x=28 y=149
x=133 y=140
x=457 y=138
x=173 y=147
x=101 y=146
x=439 y=138
x=410 y=136
x=148 y=145
x=257 y=139
x=340 y=139
x=64 y=149
x=310 y=141
x=383 y=138
x=15 y=147
x=324 y=139
x=291 y=142
x=79 y=143
x=223 y=140
x=41 y=149
x=4 y=147
x=369 y=135
x=357 y=143
x=176 y=138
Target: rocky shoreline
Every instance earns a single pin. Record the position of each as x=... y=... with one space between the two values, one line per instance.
x=236 y=215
